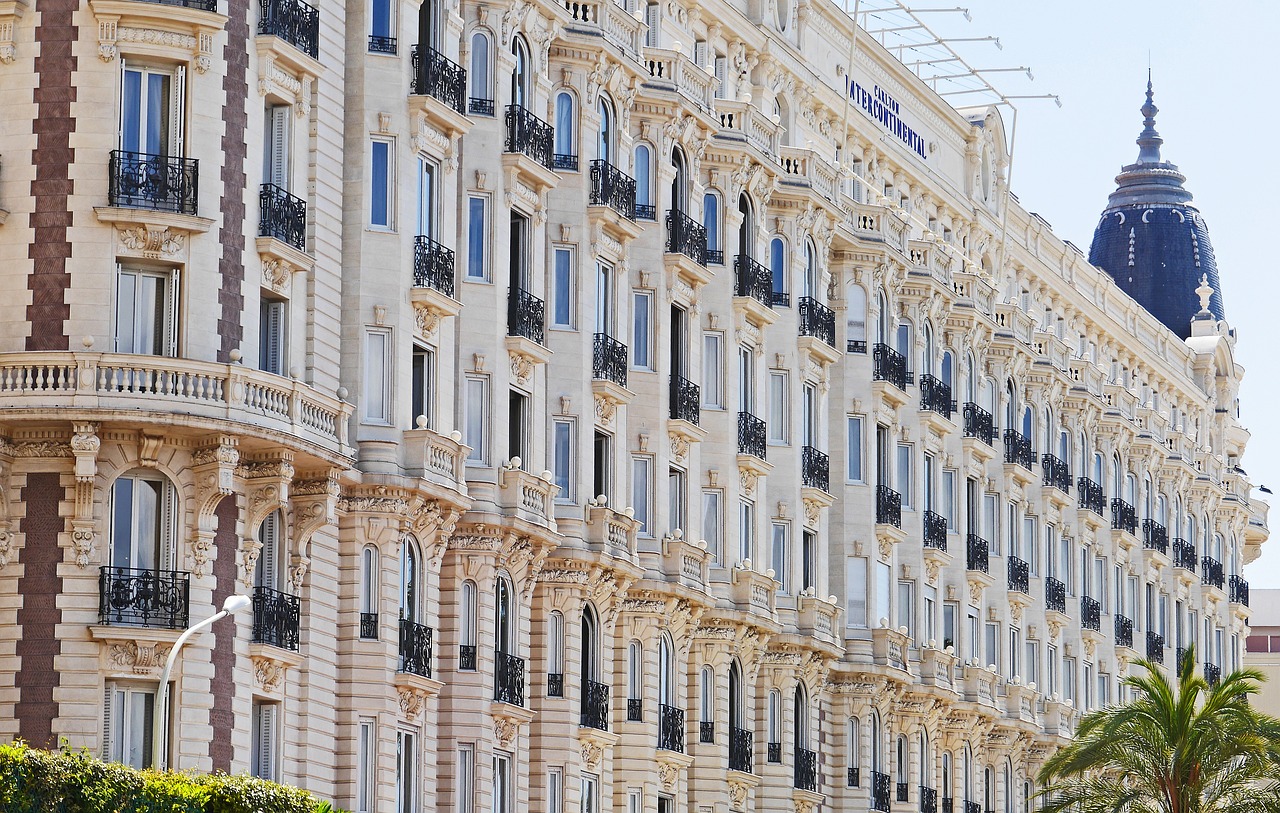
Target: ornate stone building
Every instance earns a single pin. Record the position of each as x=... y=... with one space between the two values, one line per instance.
x=392 y=316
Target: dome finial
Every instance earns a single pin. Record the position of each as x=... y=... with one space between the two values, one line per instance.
x=1205 y=291
x=1149 y=141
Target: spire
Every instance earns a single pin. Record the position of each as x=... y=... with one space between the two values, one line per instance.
x=1149 y=141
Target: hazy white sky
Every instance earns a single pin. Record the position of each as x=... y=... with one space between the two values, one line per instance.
x=1210 y=64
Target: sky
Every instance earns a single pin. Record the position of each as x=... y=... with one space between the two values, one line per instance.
x=1209 y=64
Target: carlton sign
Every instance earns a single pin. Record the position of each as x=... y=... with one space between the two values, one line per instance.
x=882 y=107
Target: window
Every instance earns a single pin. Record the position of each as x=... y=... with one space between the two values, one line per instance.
x=642 y=336
x=406 y=771
x=563 y=458
x=476 y=420
x=520 y=72
x=904 y=474
x=555 y=654
x=635 y=678
x=926 y=481
x=991 y=650
x=706 y=696
x=856 y=320
x=377 y=376
x=369 y=592
x=381 y=178
x=644 y=182
x=604 y=299
x=711 y=221
x=677 y=516
x=1031 y=669
x=366 y=759
x=855 y=592
x=481 y=89
x=142 y=517
x=1051 y=668
x=779 y=402
x=503 y=801
x=589 y=795
x=712 y=523
x=746 y=380
x=422 y=403
x=555 y=790
x=713 y=370
x=127 y=725
x=950 y=479
x=562 y=306
x=275 y=145
x=565 y=128
x=147 y=312
x=602 y=465
x=722 y=76
x=642 y=493
x=907 y=607
x=268 y=571
x=746 y=530
x=477 y=237
x=271 y=336
x=652 y=23
x=1015 y=652
x=929 y=610
x=778 y=269
x=950 y=619
x=151 y=109
x=883 y=576
x=263 y=756
x=990 y=514
x=781 y=556
x=854 y=449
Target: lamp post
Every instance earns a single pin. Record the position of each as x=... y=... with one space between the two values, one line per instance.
x=233 y=604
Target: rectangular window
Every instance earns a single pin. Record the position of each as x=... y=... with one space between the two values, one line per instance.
x=271 y=336
x=127 y=721
x=476 y=418
x=855 y=592
x=380 y=183
x=1032 y=666
x=151 y=109
x=464 y=801
x=930 y=614
x=781 y=556
x=778 y=419
x=555 y=790
x=635 y=801
x=904 y=474
x=1104 y=688
x=722 y=74
x=263 y=757
x=950 y=620
x=950 y=480
x=651 y=25
x=147 y=312
x=642 y=330
x=907 y=608
x=1069 y=680
x=855 y=449
x=884 y=576
x=275 y=145
x=424 y=386
x=1029 y=537
x=518 y=429
x=746 y=530
x=990 y=514
x=477 y=237
x=1051 y=552
x=808 y=559
x=382 y=37
x=562 y=305
x=972 y=631
x=677 y=515
x=601 y=464
x=503 y=798
x=1051 y=666
x=713 y=523
x=926 y=482
x=406 y=771
x=427 y=208
x=377 y=376
x=746 y=380
x=991 y=648
x=642 y=493
x=562 y=458
x=713 y=370
x=589 y=795
x=1015 y=652
x=1088 y=686
x=366 y=753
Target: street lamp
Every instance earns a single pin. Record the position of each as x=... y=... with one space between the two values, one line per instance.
x=234 y=604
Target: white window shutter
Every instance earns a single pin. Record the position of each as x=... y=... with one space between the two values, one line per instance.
x=179 y=109
x=119 y=321
x=700 y=53
x=171 y=321
x=279 y=146
x=266 y=742
x=651 y=19
x=267 y=557
x=120 y=122
x=167 y=521
x=109 y=739
x=273 y=328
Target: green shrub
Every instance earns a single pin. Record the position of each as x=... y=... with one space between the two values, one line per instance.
x=67 y=781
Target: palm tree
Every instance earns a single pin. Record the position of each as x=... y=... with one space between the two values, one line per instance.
x=1189 y=748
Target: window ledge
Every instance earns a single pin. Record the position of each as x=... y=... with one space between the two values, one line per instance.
x=157 y=29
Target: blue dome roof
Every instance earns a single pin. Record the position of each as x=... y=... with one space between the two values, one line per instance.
x=1152 y=241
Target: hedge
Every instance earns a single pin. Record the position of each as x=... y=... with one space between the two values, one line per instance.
x=67 y=781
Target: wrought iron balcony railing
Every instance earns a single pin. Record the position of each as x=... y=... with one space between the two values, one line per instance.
x=293 y=21
x=806 y=773
x=646 y=211
x=1090 y=613
x=880 y=791
x=740 y=749
x=977 y=554
x=277 y=617
x=889 y=365
x=439 y=77
x=1184 y=555
x=1123 y=516
x=948 y=804
x=1212 y=673
x=163 y=183
x=526 y=315
x=635 y=710
x=202 y=5
x=928 y=800
x=369 y=625
x=753 y=280
x=775 y=752
x=555 y=684
x=979 y=424
x=1055 y=595
x=888 y=507
x=671 y=728
x=1155 y=536
x=1238 y=590
x=972 y=807
x=686 y=402
x=1211 y=572
x=528 y=135
x=1019 y=573
x=595 y=705
x=903 y=793
x=415 y=648
x=480 y=107
x=751 y=435
x=508 y=679
x=282 y=216
x=379 y=44
x=1155 y=647
x=686 y=236
x=432 y=265
x=614 y=188
x=147 y=598
x=1057 y=473
x=817 y=320
x=935 y=531
x=935 y=396
x=1092 y=497
x=1017 y=449
x=815 y=469
x=564 y=161
x=609 y=359
x=468 y=659
x=781 y=299
x=706 y=731
x=1124 y=631
x=853 y=775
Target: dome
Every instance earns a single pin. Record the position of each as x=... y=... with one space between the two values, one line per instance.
x=1152 y=241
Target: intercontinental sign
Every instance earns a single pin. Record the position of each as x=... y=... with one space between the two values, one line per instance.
x=882 y=107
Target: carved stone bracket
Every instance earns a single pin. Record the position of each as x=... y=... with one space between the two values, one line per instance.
x=267 y=489
x=214 y=466
x=270 y=665
x=85 y=445
x=313 y=504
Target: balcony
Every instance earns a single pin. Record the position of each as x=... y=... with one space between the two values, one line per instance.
x=1155 y=536
x=1057 y=474
x=806 y=772
x=775 y=753
x=1211 y=572
x=686 y=403
x=1212 y=674
x=614 y=188
x=1238 y=590
x=635 y=710
x=817 y=320
x=753 y=280
x=671 y=729
x=1155 y=647
x=1123 y=516
x=977 y=554
x=508 y=679
x=609 y=359
x=856 y=346
x=1184 y=555
x=1092 y=497
x=595 y=705
x=415 y=648
x=1019 y=572
x=369 y=626
x=686 y=236
x=555 y=684
x=293 y=21
x=480 y=107
x=529 y=136
x=935 y=531
x=144 y=598
x=564 y=162
x=854 y=776
x=467 y=657
x=928 y=800
x=1017 y=450
x=439 y=77
x=1055 y=595
x=1124 y=631
x=706 y=731
x=159 y=182
x=1090 y=614
x=889 y=365
x=888 y=507
x=751 y=435
x=740 y=749
x=282 y=216
x=979 y=424
x=276 y=618
x=815 y=469
x=935 y=396
x=432 y=265
x=379 y=44
x=903 y=792
x=880 y=791
x=526 y=316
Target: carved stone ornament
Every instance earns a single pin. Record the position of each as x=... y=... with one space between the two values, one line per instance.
x=668 y=775
x=679 y=448
x=152 y=242
x=592 y=753
x=6 y=545
x=139 y=657
x=606 y=410
x=267 y=674
x=506 y=730
x=521 y=368
x=412 y=702
x=738 y=795
x=426 y=320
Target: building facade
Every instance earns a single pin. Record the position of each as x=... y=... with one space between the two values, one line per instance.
x=392 y=315
x=1262 y=647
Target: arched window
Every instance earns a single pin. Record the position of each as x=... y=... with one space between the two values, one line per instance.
x=143 y=512
x=504 y=619
x=521 y=73
x=590 y=645
x=783 y=8
x=969 y=795
x=926 y=356
x=1130 y=488
x=774 y=723
x=410 y=582
x=270 y=569
x=1097 y=468
x=1008 y=787
x=666 y=671
x=924 y=760
x=948 y=785
x=948 y=370
x=481 y=88
x=468 y=625
x=565 y=129
x=1029 y=424
x=971 y=382
x=811 y=283
x=679 y=182
x=711 y=222
x=1064 y=446
x=736 y=716
x=877 y=743
x=635 y=680
x=801 y=712
x=369 y=592
x=778 y=269
x=555 y=654
x=904 y=340
x=856 y=318
x=851 y=750
x=605 y=136
x=746 y=239
x=707 y=702
x=1117 y=477
x=1011 y=405
x=900 y=764
x=883 y=319
x=989 y=789
x=644 y=182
